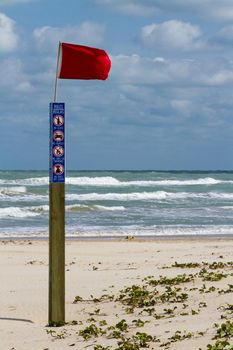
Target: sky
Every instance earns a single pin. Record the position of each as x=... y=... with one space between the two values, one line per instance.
x=167 y=104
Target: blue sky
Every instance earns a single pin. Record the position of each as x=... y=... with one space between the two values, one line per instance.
x=166 y=105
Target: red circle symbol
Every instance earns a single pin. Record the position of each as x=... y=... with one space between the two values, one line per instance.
x=58 y=136
x=58 y=151
x=58 y=169
x=58 y=120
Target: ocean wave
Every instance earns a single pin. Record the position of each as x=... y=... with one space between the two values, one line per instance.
x=135 y=196
x=147 y=196
x=108 y=181
x=34 y=181
x=81 y=207
x=150 y=231
x=33 y=211
x=116 y=208
x=23 y=197
x=121 y=231
x=16 y=212
x=201 y=181
x=93 y=181
x=39 y=209
x=11 y=191
x=220 y=195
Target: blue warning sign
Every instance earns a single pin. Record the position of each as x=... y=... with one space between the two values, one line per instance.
x=57 y=142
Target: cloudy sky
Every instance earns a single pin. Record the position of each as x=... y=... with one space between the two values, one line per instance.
x=168 y=102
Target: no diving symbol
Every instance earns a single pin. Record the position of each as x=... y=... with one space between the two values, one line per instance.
x=58 y=136
x=58 y=151
x=58 y=120
x=58 y=169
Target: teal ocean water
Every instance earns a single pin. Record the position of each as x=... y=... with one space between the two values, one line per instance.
x=119 y=203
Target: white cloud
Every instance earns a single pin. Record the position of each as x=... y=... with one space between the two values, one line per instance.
x=225 y=35
x=170 y=35
x=214 y=9
x=13 y=76
x=12 y=2
x=191 y=73
x=181 y=106
x=87 y=33
x=8 y=37
x=136 y=8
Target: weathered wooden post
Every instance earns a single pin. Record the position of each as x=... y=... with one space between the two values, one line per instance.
x=57 y=215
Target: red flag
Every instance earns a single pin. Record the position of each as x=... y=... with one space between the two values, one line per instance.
x=82 y=62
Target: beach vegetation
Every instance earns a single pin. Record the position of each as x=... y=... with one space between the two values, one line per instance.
x=228 y=308
x=189 y=265
x=169 y=281
x=127 y=345
x=77 y=299
x=202 y=304
x=122 y=326
x=91 y=331
x=100 y=347
x=226 y=291
x=220 y=345
x=137 y=296
x=178 y=336
x=139 y=322
x=56 y=335
x=211 y=276
x=225 y=330
x=173 y=295
x=157 y=298
x=142 y=339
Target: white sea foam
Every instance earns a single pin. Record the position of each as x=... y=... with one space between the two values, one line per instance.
x=220 y=195
x=39 y=209
x=34 y=181
x=23 y=197
x=93 y=181
x=108 y=181
x=152 y=231
x=201 y=181
x=82 y=207
x=134 y=196
x=146 y=196
x=116 y=208
x=16 y=212
x=11 y=191
x=227 y=207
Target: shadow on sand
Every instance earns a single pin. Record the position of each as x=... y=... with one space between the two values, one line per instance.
x=15 y=319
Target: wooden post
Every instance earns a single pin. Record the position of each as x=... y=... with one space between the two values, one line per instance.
x=57 y=215
x=57 y=254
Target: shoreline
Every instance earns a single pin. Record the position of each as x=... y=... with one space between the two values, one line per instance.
x=134 y=238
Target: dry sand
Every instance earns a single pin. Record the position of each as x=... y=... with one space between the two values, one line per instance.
x=94 y=268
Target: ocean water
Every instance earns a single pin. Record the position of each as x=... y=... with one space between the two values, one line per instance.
x=120 y=203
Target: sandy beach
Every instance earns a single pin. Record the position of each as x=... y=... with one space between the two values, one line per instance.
x=174 y=291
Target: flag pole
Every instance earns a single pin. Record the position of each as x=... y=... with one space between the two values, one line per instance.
x=56 y=79
x=56 y=316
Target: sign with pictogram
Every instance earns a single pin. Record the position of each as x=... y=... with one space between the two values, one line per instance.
x=58 y=120
x=57 y=142
x=58 y=151
x=58 y=169
x=58 y=136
